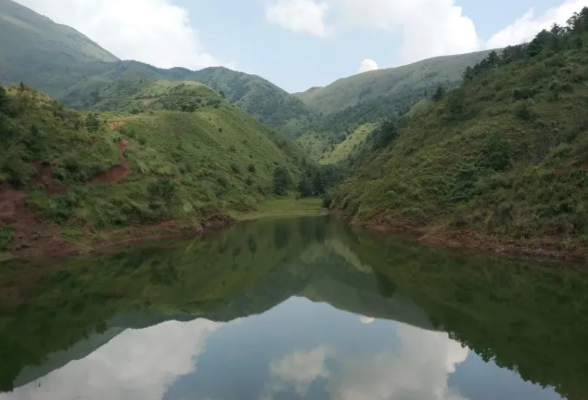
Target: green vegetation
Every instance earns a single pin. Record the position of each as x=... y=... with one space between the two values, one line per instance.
x=128 y=81
x=504 y=154
x=262 y=99
x=140 y=95
x=352 y=106
x=5 y=237
x=44 y=54
x=283 y=207
x=98 y=171
x=343 y=150
x=375 y=85
x=68 y=66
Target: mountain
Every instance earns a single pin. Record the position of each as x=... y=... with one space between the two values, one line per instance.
x=365 y=87
x=185 y=154
x=44 y=54
x=68 y=66
x=257 y=96
x=352 y=107
x=499 y=160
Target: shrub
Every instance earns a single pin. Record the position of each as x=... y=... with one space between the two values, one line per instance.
x=251 y=168
x=235 y=168
x=327 y=200
x=93 y=122
x=282 y=181
x=164 y=188
x=19 y=172
x=439 y=94
x=496 y=154
x=524 y=112
x=5 y=237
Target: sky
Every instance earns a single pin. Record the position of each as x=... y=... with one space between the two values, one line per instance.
x=298 y=44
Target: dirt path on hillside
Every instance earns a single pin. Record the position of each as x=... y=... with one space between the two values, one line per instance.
x=118 y=173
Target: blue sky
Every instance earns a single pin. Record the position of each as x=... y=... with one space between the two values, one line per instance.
x=298 y=44
x=297 y=61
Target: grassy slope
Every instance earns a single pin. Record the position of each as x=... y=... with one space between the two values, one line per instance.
x=368 y=86
x=65 y=64
x=42 y=53
x=258 y=97
x=372 y=97
x=283 y=207
x=504 y=155
x=183 y=165
x=344 y=149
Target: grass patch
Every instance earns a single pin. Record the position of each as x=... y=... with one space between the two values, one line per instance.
x=351 y=143
x=283 y=207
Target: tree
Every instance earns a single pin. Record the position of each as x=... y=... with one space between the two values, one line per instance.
x=538 y=44
x=93 y=122
x=305 y=187
x=493 y=59
x=439 y=93
x=282 y=181
x=468 y=74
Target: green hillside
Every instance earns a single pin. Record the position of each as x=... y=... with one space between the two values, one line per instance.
x=372 y=97
x=500 y=159
x=258 y=97
x=368 y=86
x=46 y=55
x=68 y=175
x=66 y=65
x=318 y=148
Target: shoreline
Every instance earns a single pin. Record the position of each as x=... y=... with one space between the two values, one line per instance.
x=54 y=246
x=102 y=242
x=468 y=239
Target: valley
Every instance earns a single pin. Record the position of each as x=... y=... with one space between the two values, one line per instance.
x=483 y=149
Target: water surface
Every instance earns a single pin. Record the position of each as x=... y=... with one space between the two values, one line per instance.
x=303 y=308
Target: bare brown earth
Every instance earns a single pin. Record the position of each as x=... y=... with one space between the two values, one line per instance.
x=118 y=173
x=545 y=248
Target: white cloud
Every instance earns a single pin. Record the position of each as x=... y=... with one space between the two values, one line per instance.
x=525 y=28
x=429 y=27
x=419 y=368
x=419 y=371
x=151 y=31
x=366 y=320
x=367 y=65
x=300 y=16
x=135 y=365
x=297 y=370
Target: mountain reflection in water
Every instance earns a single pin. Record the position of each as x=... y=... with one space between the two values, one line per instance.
x=292 y=309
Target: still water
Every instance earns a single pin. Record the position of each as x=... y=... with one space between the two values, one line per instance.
x=303 y=308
